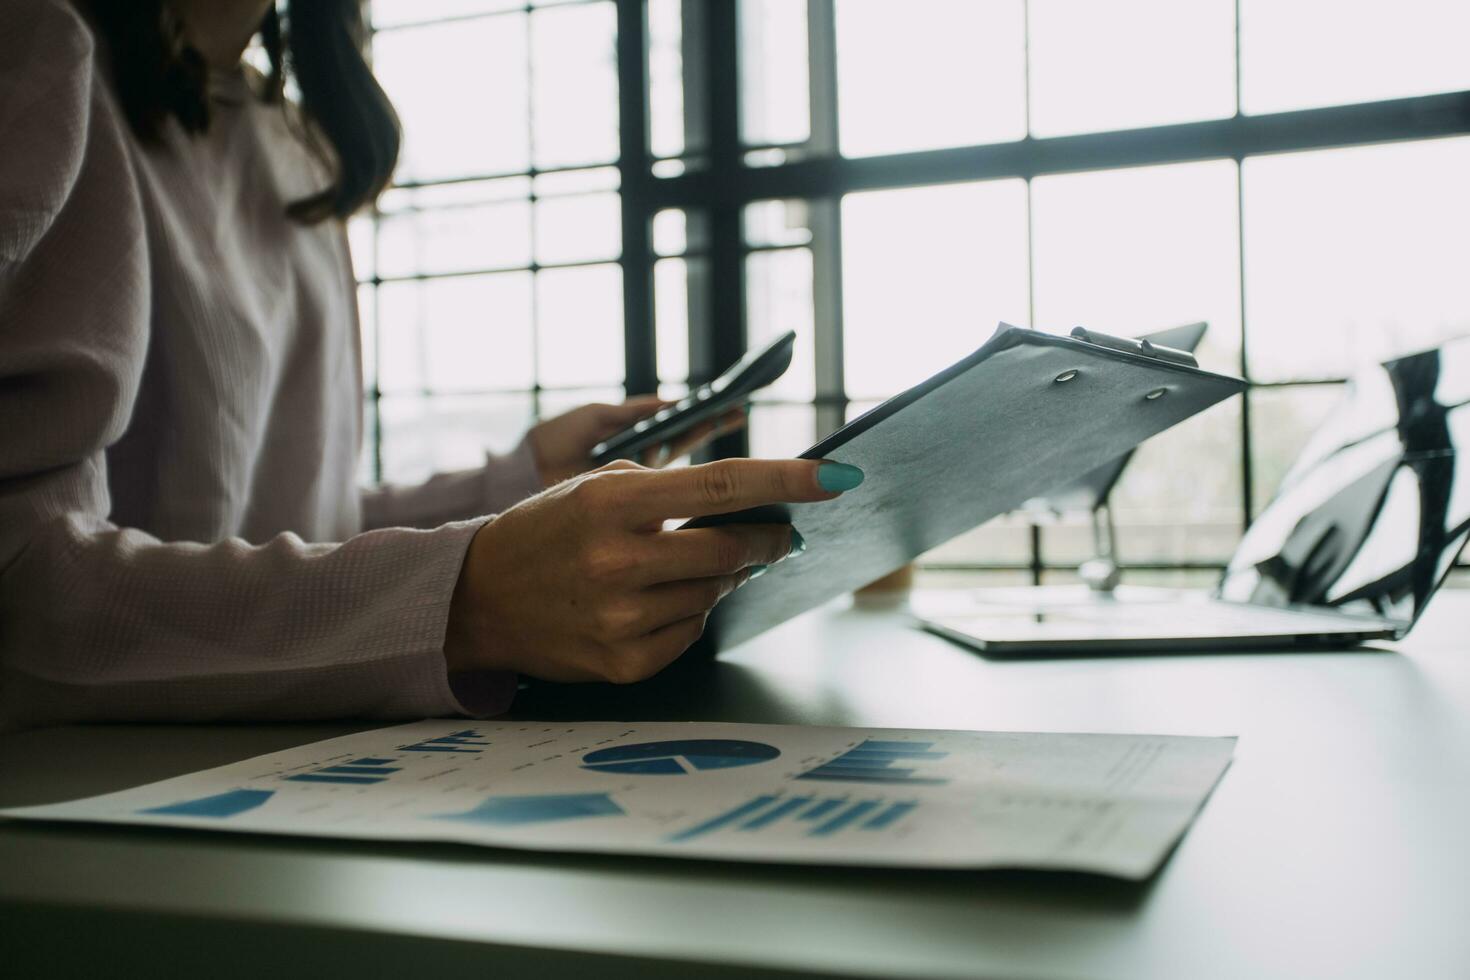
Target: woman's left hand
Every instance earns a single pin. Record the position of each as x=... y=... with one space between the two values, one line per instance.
x=563 y=445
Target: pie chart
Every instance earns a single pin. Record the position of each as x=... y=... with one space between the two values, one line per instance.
x=679 y=758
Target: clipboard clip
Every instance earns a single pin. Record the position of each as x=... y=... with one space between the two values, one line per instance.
x=1141 y=347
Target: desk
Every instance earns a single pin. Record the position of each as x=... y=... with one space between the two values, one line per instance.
x=1337 y=845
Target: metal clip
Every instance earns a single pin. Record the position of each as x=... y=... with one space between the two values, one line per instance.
x=1142 y=348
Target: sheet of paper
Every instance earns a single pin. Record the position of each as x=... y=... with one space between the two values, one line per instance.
x=1112 y=804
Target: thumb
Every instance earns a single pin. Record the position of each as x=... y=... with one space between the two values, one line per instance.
x=632 y=410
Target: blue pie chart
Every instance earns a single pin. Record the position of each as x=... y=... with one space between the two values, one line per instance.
x=679 y=758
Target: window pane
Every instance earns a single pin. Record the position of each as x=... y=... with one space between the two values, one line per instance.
x=361 y=245
x=579 y=319
x=1067 y=540
x=553 y=403
x=1129 y=63
x=426 y=435
x=671 y=318
x=455 y=239
x=774 y=80
x=575 y=85
x=777 y=223
x=942 y=586
x=559 y=182
x=929 y=73
x=1179 y=499
x=367 y=459
x=665 y=78
x=367 y=315
x=670 y=232
x=1129 y=251
x=472 y=121
x=458 y=193
x=778 y=299
x=1354 y=255
x=1006 y=540
x=578 y=228
x=387 y=13
x=1297 y=54
x=462 y=334
x=927 y=274
x=781 y=431
x=1282 y=420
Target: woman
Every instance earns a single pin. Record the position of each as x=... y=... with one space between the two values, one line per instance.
x=180 y=533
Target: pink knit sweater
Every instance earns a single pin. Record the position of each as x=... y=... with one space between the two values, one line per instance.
x=181 y=535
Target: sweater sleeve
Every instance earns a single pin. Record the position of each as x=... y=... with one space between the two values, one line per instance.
x=100 y=622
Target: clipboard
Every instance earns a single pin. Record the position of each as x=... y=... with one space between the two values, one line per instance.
x=1024 y=414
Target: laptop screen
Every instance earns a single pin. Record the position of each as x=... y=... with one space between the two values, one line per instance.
x=1376 y=510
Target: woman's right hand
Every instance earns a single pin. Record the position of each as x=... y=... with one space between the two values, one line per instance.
x=582 y=582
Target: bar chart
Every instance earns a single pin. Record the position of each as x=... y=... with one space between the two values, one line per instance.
x=511 y=811
x=359 y=772
x=880 y=761
x=815 y=816
x=218 y=806
x=467 y=740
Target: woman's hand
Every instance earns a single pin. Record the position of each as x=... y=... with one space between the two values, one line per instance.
x=563 y=444
x=582 y=583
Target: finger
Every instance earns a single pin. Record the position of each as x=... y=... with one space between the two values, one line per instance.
x=657 y=457
x=632 y=410
x=617 y=464
x=640 y=659
x=689 y=441
x=734 y=419
x=729 y=485
x=703 y=552
x=665 y=644
x=671 y=602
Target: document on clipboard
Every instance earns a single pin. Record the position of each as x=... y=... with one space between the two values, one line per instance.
x=1025 y=413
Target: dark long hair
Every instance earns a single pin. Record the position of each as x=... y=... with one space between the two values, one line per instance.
x=318 y=43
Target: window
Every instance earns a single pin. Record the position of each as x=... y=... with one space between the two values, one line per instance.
x=492 y=290
x=608 y=196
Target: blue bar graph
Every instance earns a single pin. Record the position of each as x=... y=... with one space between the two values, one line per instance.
x=817 y=817
x=461 y=741
x=821 y=809
x=516 y=811
x=889 y=816
x=860 y=769
x=219 y=806
x=873 y=762
x=785 y=808
x=853 y=813
x=361 y=770
x=316 y=777
x=725 y=819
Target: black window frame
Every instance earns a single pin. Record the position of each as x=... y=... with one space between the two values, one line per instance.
x=716 y=192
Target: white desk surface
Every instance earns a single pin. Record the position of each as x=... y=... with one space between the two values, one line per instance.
x=1337 y=845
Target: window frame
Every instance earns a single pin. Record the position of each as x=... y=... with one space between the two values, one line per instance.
x=719 y=190
x=715 y=191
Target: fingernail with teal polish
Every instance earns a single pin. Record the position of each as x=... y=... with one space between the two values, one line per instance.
x=798 y=544
x=756 y=571
x=837 y=477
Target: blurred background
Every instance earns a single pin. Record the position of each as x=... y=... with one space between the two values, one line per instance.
x=604 y=197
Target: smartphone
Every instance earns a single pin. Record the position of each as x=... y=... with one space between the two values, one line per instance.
x=705 y=403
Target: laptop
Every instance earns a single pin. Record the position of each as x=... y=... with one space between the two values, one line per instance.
x=1364 y=529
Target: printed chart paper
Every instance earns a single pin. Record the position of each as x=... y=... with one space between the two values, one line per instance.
x=1111 y=804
